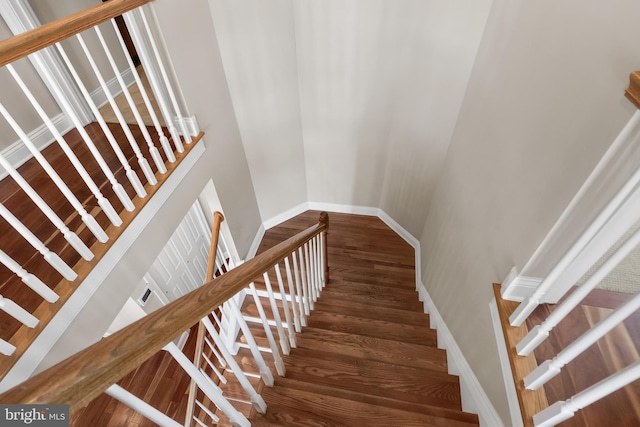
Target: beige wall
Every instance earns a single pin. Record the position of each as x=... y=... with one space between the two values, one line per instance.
x=544 y=102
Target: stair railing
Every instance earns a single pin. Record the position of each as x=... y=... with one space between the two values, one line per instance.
x=80 y=378
x=605 y=243
x=65 y=207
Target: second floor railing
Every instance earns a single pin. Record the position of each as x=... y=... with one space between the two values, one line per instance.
x=69 y=198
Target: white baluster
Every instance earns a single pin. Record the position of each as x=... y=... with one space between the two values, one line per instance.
x=551 y=368
x=321 y=243
x=142 y=161
x=17 y=312
x=69 y=236
x=87 y=219
x=141 y=406
x=102 y=201
x=6 y=348
x=130 y=173
x=306 y=295
x=302 y=294
x=153 y=150
x=312 y=291
x=208 y=412
x=221 y=360
x=294 y=298
x=52 y=258
x=214 y=394
x=256 y=400
x=66 y=107
x=164 y=141
x=285 y=306
x=148 y=62
x=213 y=367
x=318 y=268
x=563 y=410
x=218 y=321
x=314 y=268
x=265 y=372
x=279 y=363
x=540 y=333
x=28 y=279
x=284 y=344
x=165 y=77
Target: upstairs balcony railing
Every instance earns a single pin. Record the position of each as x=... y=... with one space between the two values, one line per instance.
x=64 y=206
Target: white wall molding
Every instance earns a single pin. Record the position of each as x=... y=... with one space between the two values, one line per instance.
x=474 y=398
x=505 y=364
x=253 y=249
x=286 y=215
x=36 y=353
x=99 y=97
x=517 y=288
x=18 y=153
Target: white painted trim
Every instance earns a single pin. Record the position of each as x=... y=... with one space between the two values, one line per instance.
x=347 y=209
x=17 y=153
x=518 y=288
x=505 y=364
x=286 y=215
x=28 y=363
x=474 y=399
x=99 y=97
x=253 y=249
x=192 y=125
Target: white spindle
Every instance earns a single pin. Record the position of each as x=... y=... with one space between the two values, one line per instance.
x=6 y=348
x=284 y=344
x=69 y=236
x=539 y=333
x=563 y=410
x=130 y=173
x=213 y=367
x=221 y=360
x=102 y=201
x=312 y=291
x=148 y=62
x=164 y=141
x=308 y=305
x=141 y=406
x=153 y=150
x=285 y=306
x=52 y=258
x=314 y=266
x=118 y=189
x=322 y=242
x=551 y=368
x=17 y=312
x=218 y=321
x=256 y=400
x=87 y=219
x=295 y=299
x=28 y=279
x=165 y=77
x=279 y=363
x=208 y=412
x=213 y=393
x=142 y=161
x=265 y=372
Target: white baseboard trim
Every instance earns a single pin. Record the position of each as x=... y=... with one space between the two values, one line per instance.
x=35 y=354
x=253 y=249
x=507 y=375
x=99 y=97
x=518 y=288
x=474 y=399
x=18 y=153
x=286 y=215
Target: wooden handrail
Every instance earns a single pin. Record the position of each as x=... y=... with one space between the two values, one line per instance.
x=211 y=268
x=46 y=35
x=80 y=378
x=633 y=91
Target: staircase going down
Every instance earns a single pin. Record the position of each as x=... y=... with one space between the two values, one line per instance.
x=367 y=355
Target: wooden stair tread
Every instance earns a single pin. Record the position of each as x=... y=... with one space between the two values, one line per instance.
x=369 y=296
x=421 y=386
x=420 y=335
x=294 y=407
x=395 y=315
x=383 y=350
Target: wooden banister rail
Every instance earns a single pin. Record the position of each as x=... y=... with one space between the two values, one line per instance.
x=211 y=268
x=48 y=34
x=633 y=91
x=80 y=378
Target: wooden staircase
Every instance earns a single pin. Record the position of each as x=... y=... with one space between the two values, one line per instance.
x=367 y=355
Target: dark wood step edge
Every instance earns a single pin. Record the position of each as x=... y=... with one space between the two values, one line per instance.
x=531 y=401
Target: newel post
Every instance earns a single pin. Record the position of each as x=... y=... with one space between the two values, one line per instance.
x=324 y=220
x=633 y=91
